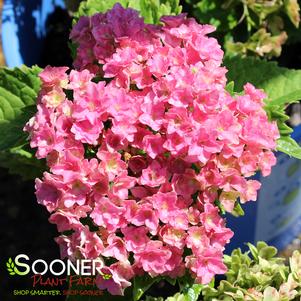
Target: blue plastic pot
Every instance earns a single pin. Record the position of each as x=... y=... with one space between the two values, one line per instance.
x=23 y=29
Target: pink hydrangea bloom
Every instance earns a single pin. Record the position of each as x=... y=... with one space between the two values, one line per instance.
x=154 y=258
x=115 y=278
x=143 y=156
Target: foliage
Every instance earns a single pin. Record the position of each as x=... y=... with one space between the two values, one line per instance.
x=21 y=161
x=249 y=27
x=151 y=10
x=142 y=284
x=18 y=92
x=258 y=275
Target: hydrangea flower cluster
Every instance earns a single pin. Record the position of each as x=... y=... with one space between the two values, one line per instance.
x=138 y=162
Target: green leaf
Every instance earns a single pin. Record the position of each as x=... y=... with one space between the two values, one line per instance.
x=193 y=292
x=288 y=98
x=237 y=210
x=271 y=294
x=151 y=10
x=284 y=129
x=171 y=281
x=295 y=262
x=176 y=297
x=19 y=88
x=277 y=82
x=21 y=161
x=12 y=129
x=261 y=244
x=267 y=252
x=185 y=282
x=292 y=9
x=142 y=284
x=253 y=250
x=230 y=87
x=190 y=294
x=18 y=92
x=190 y=290
x=91 y=7
x=289 y=146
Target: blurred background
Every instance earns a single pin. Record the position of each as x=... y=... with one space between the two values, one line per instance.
x=36 y=32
